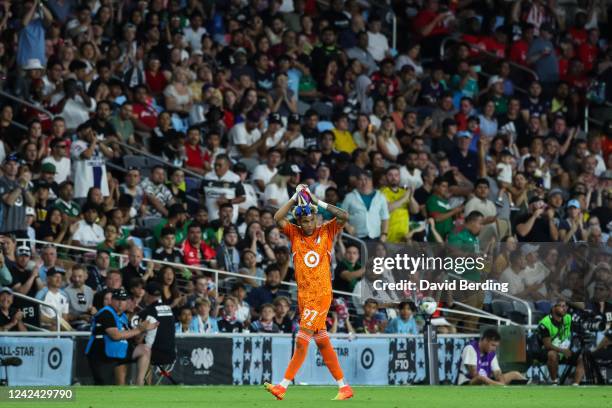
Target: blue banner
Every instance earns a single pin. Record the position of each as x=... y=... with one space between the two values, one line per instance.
x=46 y=361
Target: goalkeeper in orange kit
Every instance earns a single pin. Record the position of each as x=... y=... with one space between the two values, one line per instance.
x=311 y=247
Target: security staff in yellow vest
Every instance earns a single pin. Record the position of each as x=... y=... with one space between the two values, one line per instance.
x=108 y=348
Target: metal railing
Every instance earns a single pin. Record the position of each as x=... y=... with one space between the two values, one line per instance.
x=215 y=272
x=40 y=302
x=521 y=301
x=26 y=103
x=480 y=314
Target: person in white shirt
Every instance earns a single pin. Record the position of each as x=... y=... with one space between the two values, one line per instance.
x=479 y=364
x=263 y=173
x=245 y=137
x=88 y=233
x=73 y=104
x=410 y=174
x=251 y=197
x=512 y=274
x=369 y=210
x=54 y=295
x=277 y=191
x=59 y=160
x=88 y=162
x=378 y=45
x=222 y=186
x=194 y=33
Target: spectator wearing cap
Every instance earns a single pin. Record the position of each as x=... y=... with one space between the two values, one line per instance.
x=245 y=137
x=54 y=295
x=25 y=277
x=108 y=345
x=61 y=164
x=572 y=228
x=88 y=233
x=538 y=224
x=369 y=209
x=11 y=318
x=282 y=183
x=343 y=139
x=15 y=197
x=462 y=157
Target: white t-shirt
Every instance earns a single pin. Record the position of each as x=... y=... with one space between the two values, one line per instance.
x=75 y=111
x=297 y=143
x=505 y=172
x=194 y=37
x=57 y=299
x=88 y=235
x=413 y=180
x=469 y=357
x=251 y=197
x=378 y=45
x=514 y=281
x=62 y=167
x=274 y=192
x=239 y=136
x=215 y=187
x=88 y=172
x=262 y=172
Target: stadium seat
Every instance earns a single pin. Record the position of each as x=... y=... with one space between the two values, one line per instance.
x=149 y=222
x=502 y=308
x=137 y=161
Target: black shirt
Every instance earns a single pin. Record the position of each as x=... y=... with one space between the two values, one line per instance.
x=286 y=326
x=164 y=348
x=104 y=320
x=226 y=326
x=540 y=232
x=175 y=256
x=467 y=165
x=130 y=272
x=21 y=276
x=6 y=319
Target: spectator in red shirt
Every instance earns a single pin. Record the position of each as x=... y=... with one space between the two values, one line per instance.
x=387 y=75
x=577 y=32
x=194 y=151
x=195 y=250
x=518 y=49
x=154 y=77
x=144 y=111
x=587 y=52
x=497 y=43
x=431 y=23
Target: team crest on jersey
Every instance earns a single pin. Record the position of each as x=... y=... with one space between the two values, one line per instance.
x=311 y=259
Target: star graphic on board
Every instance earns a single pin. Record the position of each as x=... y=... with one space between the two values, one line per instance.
x=401 y=345
x=266 y=375
x=247 y=356
x=449 y=357
x=257 y=364
x=421 y=364
x=238 y=344
x=391 y=377
x=247 y=340
x=257 y=343
x=267 y=356
x=458 y=346
x=420 y=345
x=237 y=364
x=236 y=382
x=400 y=381
x=246 y=376
x=439 y=364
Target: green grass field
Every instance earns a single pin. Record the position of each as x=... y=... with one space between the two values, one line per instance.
x=319 y=397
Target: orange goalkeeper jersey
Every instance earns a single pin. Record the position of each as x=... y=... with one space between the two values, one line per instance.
x=312 y=259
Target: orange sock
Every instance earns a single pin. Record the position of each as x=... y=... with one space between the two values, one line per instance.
x=301 y=350
x=329 y=354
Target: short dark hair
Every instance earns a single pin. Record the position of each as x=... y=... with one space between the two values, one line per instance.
x=491 y=334
x=272 y=267
x=482 y=181
x=439 y=180
x=167 y=231
x=473 y=216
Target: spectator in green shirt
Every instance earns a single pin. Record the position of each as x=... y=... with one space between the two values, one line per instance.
x=177 y=217
x=439 y=208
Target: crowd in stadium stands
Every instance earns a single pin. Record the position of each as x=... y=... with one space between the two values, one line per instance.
x=240 y=101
